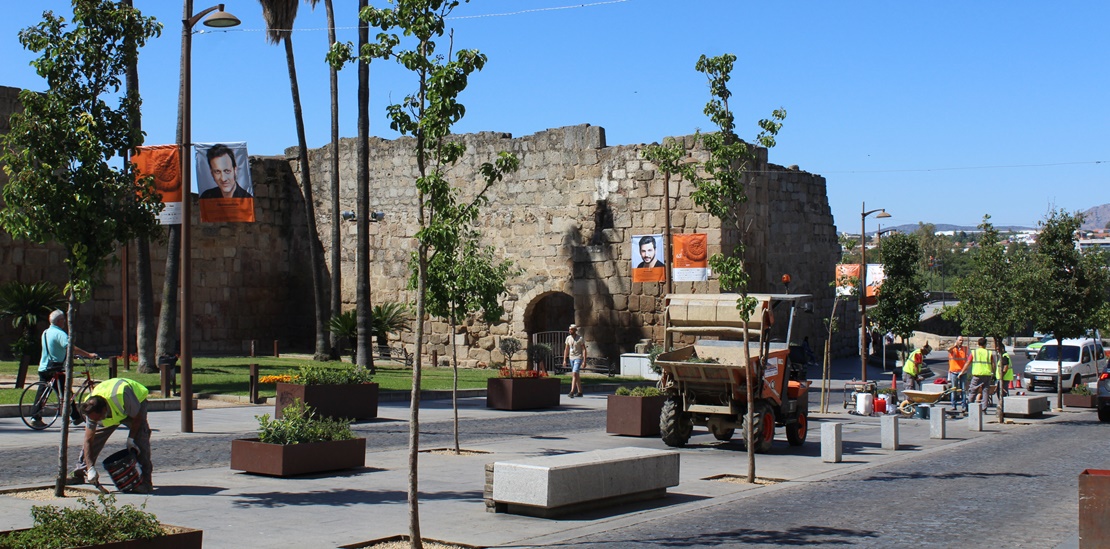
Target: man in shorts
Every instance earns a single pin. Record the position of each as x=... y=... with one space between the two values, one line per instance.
x=574 y=355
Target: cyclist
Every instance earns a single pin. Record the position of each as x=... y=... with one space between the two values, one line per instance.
x=55 y=340
x=114 y=402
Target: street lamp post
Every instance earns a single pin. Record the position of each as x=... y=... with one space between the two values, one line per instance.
x=863 y=284
x=219 y=19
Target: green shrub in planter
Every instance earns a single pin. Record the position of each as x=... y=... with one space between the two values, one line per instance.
x=638 y=391
x=1081 y=390
x=316 y=375
x=58 y=528
x=298 y=425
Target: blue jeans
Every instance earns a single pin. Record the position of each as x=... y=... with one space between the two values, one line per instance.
x=575 y=365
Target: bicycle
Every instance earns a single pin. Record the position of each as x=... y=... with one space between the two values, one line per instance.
x=49 y=403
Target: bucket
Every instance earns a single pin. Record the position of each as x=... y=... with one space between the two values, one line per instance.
x=864 y=403
x=880 y=406
x=123 y=467
x=922 y=411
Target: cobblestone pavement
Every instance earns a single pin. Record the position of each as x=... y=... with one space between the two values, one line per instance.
x=997 y=491
x=38 y=464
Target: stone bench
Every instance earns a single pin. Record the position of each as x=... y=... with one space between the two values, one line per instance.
x=550 y=486
x=1026 y=405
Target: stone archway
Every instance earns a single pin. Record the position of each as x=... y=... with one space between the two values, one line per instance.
x=549 y=312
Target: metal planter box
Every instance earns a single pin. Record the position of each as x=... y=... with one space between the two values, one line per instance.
x=1094 y=508
x=1080 y=401
x=182 y=538
x=283 y=460
x=522 y=393
x=354 y=401
x=636 y=416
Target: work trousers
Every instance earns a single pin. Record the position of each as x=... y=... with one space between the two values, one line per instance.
x=139 y=433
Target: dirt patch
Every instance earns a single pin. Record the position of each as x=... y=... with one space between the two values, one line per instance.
x=404 y=544
x=47 y=494
x=738 y=479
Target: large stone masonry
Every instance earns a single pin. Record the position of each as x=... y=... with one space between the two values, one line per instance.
x=566 y=218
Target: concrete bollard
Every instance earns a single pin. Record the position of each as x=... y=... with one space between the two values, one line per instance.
x=889 y=428
x=832 y=442
x=974 y=417
x=936 y=423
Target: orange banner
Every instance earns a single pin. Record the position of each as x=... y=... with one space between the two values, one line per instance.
x=217 y=210
x=847 y=277
x=164 y=164
x=690 y=261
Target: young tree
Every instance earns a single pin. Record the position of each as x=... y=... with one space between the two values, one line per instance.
x=58 y=154
x=428 y=114
x=902 y=296
x=279 y=15
x=1071 y=288
x=991 y=298
x=721 y=193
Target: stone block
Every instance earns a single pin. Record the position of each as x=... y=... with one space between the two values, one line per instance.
x=832 y=442
x=889 y=432
x=936 y=423
x=555 y=485
x=974 y=418
x=1026 y=405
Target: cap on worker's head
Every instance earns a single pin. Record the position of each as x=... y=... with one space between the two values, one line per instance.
x=573 y=327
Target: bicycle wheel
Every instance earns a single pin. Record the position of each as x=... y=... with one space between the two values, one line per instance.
x=79 y=398
x=50 y=405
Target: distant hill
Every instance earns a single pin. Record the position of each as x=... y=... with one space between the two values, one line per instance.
x=1096 y=218
x=909 y=228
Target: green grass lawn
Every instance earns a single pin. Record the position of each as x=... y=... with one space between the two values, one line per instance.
x=230 y=376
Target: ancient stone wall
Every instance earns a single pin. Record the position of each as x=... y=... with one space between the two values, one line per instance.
x=566 y=218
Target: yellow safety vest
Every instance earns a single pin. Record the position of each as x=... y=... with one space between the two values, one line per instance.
x=1008 y=375
x=981 y=362
x=910 y=367
x=112 y=391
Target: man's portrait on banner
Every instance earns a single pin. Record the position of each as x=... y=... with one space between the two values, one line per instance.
x=224 y=182
x=223 y=170
x=647 y=258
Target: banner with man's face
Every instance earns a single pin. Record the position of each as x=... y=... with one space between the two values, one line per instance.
x=224 y=182
x=647 y=258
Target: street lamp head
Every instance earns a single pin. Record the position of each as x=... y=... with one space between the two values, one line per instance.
x=882 y=214
x=221 y=19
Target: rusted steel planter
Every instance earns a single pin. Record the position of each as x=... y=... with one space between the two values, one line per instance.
x=283 y=460
x=1094 y=506
x=182 y=538
x=1080 y=401
x=354 y=401
x=522 y=393
x=635 y=416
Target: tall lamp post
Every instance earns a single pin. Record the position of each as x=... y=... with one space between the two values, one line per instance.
x=219 y=19
x=863 y=284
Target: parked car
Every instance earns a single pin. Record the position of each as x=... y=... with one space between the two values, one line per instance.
x=1104 y=396
x=1083 y=361
x=1031 y=350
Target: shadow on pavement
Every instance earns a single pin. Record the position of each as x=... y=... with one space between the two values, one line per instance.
x=888 y=477
x=186 y=490
x=633 y=507
x=343 y=498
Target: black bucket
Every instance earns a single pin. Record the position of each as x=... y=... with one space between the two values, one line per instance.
x=123 y=467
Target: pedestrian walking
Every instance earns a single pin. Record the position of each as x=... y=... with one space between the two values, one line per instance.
x=982 y=372
x=1005 y=374
x=574 y=355
x=957 y=361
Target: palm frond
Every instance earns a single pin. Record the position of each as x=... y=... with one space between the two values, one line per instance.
x=279 y=16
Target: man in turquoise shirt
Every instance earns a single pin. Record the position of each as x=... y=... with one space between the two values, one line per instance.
x=55 y=340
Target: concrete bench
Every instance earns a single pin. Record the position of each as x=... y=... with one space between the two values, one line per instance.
x=551 y=486
x=1026 y=405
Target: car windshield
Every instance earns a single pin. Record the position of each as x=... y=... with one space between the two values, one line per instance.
x=1052 y=352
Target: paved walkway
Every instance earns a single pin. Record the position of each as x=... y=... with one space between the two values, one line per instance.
x=240 y=510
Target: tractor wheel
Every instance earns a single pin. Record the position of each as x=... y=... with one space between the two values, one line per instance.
x=720 y=433
x=765 y=431
x=1103 y=413
x=796 y=432
x=675 y=425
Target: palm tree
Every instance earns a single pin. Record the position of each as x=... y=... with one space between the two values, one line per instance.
x=344 y=326
x=335 y=247
x=389 y=317
x=26 y=304
x=279 y=16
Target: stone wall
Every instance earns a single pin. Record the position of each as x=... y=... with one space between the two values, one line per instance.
x=566 y=218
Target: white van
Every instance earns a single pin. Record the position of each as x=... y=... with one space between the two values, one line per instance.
x=1083 y=360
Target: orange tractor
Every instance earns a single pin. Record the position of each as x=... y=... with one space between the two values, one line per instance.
x=706 y=383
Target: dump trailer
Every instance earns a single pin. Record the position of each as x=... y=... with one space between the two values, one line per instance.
x=706 y=383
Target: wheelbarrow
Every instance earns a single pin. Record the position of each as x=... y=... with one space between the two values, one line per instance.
x=913 y=398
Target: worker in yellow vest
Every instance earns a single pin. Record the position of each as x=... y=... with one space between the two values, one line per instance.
x=957 y=360
x=112 y=403
x=1005 y=373
x=911 y=370
x=982 y=364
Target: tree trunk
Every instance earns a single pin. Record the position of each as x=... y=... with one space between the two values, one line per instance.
x=749 y=418
x=315 y=252
x=455 y=383
x=1000 y=410
x=63 y=455
x=363 y=302
x=167 y=316
x=336 y=245
x=145 y=327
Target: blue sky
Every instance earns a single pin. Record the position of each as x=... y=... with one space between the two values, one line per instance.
x=937 y=111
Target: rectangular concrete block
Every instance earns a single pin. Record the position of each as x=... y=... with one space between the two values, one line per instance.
x=936 y=423
x=1026 y=405
x=832 y=442
x=889 y=428
x=974 y=417
x=569 y=479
